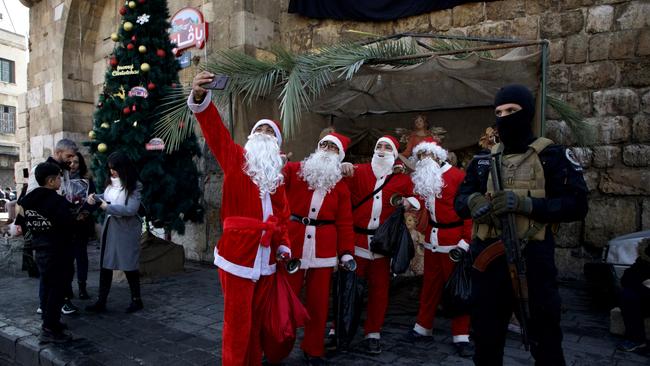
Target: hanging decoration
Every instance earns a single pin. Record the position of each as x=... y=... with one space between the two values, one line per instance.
x=142 y=19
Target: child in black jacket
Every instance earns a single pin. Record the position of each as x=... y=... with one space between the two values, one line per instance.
x=635 y=301
x=49 y=217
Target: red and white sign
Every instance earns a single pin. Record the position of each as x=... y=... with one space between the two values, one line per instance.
x=188 y=30
x=155 y=144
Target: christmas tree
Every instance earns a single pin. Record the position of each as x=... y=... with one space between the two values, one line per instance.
x=142 y=69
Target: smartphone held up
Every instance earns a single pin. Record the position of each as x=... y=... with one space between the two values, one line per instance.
x=219 y=82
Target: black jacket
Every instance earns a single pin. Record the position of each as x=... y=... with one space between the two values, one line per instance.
x=48 y=217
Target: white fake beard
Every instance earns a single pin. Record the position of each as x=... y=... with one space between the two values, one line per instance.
x=427 y=180
x=382 y=166
x=321 y=170
x=263 y=162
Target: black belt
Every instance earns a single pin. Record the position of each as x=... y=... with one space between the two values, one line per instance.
x=311 y=222
x=360 y=230
x=449 y=225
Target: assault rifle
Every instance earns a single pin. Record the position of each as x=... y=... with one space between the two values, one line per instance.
x=513 y=246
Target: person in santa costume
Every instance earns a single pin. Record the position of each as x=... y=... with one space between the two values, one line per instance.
x=255 y=213
x=372 y=185
x=436 y=183
x=321 y=232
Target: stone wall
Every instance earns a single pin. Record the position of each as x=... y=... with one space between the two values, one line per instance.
x=598 y=63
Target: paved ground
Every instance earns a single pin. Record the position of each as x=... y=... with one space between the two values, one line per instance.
x=181 y=325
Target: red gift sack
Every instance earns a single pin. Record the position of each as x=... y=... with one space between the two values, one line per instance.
x=283 y=313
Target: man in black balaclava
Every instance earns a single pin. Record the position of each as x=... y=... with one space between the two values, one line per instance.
x=550 y=191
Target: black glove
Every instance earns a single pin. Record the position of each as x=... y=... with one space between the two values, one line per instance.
x=480 y=208
x=508 y=201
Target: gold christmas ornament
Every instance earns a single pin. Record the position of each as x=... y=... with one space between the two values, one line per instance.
x=142 y=49
x=115 y=37
x=128 y=26
x=102 y=147
x=92 y=135
x=105 y=125
x=145 y=67
x=132 y=4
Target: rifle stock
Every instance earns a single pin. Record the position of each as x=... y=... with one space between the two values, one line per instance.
x=514 y=257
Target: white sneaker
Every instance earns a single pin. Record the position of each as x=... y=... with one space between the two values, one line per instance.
x=39 y=310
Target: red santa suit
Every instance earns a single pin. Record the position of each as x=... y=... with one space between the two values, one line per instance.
x=375 y=268
x=444 y=231
x=254 y=229
x=321 y=232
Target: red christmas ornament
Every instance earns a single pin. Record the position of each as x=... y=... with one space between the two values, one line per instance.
x=151 y=86
x=123 y=10
x=133 y=108
x=173 y=85
x=114 y=62
x=160 y=53
x=133 y=38
x=130 y=46
x=126 y=110
x=142 y=1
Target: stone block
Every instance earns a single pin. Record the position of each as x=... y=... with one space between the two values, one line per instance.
x=440 y=20
x=645 y=102
x=300 y=41
x=540 y=6
x=636 y=155
x=636 y=73
x=468 y=14
x=641 y=128
x=556 y=50
x=526 y=27
x=559 y=132
x=599 y=19
x=569 y=235
x=558 y=78
x=499 y=10
x=622 y=44
x=634 y=15
x=609 y=217
x=575 y=50
x=597 y=75
x=326 y=35
x=643 y=43
x=555 y=25
x=581 y=101
x=415 y=24
x=584 y=155
x=570 y=262
x=491 y=29
x=645 y=215
x=592 y=178
x=625 y=182
x=606 y=156
x=613 y=130
x=599 y=46
x=615 y=102
x=573 y=4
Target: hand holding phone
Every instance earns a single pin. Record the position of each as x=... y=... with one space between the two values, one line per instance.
x=219 y=82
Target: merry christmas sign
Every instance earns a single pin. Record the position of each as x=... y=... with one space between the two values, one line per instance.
x=188 y=30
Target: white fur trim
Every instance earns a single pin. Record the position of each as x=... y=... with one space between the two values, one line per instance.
x=284 y=249
x=346 y=257
x=462 y=244
x=431 y=147
x=375 y=335
x=198 y=108
x=318 y=262
x=388 y=141
x=414 y=202
x=461 y=338
x=422 y=330
x=252 y=273
x=273 y=125
x=365 y=253
x=336 y=142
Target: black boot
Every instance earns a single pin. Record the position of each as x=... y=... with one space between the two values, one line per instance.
x=136 y=305
x=83 y=294
x=105 y=280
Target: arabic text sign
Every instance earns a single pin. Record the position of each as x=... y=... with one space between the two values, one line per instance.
x=188 y=30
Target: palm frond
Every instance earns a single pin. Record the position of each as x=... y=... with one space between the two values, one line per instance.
x=583 y=133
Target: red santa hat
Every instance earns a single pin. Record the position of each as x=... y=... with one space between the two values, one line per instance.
x=392 y=141
x=342 y=142
x=274 y=125
x=430 y=145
